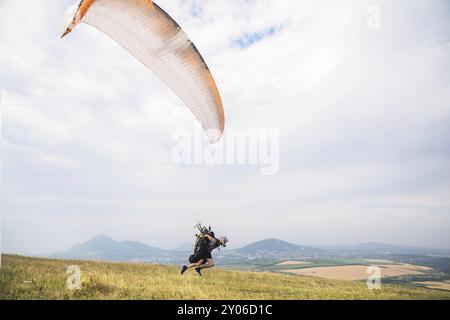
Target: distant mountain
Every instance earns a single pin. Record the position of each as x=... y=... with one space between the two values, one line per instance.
x=185 y=247
x=105 y=248
x=276 y=247
x=373 y=247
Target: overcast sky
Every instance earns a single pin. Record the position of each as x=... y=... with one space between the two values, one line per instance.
x=363 y=115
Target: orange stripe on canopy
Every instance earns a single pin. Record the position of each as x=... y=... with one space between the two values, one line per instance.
x=148 y=33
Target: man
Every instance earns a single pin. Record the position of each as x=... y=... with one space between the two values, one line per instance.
x=204 y=257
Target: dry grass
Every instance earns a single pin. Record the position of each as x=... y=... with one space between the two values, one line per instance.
x=30 y=278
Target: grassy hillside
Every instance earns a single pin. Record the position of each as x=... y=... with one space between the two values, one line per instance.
x=30 y=278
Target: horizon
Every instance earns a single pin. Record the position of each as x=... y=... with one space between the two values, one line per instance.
x=357 y=117
x=348 y=246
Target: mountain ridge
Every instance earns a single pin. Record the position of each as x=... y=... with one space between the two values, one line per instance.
x=102 y=247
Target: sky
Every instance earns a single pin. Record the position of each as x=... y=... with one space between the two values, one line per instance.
x=358 y=90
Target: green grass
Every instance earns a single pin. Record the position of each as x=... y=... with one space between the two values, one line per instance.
x=31 y=278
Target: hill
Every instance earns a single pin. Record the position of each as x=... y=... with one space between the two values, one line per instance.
x=185 y=247
x=105 y=248
x=373 y=247
x=32 y=278
x=278 y=247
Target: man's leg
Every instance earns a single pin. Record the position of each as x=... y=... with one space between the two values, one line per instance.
x=192 y=265
x=209 y=264
x=196 y=264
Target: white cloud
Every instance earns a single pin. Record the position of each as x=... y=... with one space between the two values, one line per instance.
x=364 y=119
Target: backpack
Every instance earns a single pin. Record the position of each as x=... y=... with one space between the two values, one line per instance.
x=201 y=244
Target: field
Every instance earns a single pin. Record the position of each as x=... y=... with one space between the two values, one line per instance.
x=291 y=262
x=443 y=285
x=31 y=278
x=358 y=272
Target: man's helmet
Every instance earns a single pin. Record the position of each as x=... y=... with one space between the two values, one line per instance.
x=223 y=240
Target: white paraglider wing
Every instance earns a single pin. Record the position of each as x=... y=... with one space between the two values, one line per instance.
x=155 y=39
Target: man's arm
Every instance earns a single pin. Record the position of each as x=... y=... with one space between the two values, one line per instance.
x=207 y=236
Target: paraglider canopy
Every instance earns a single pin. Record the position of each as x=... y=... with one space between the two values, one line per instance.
x=149 y=34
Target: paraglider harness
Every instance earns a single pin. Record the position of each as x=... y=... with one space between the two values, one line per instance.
x=201 y=243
